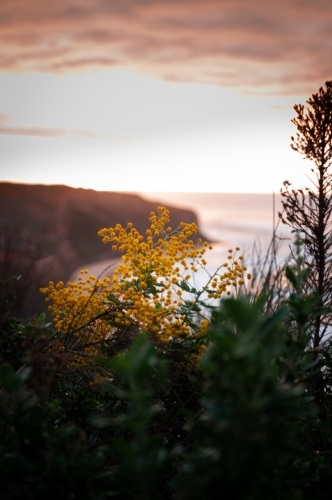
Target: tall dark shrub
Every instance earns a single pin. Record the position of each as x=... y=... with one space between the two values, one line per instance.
x=308 y=210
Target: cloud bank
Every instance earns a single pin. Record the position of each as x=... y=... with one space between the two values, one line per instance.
x=283 y=46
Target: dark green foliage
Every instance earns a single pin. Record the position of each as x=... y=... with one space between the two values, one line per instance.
x=243 y=423
x=248 y=435
x=142 y=457
x=37 y=458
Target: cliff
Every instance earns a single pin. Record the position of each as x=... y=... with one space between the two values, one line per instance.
x=47 y=232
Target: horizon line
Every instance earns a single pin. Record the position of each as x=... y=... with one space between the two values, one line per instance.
x=151 y=192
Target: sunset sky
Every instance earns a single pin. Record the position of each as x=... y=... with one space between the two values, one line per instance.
x=151 y=95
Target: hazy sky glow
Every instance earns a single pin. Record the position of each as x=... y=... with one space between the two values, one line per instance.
x=156 y=95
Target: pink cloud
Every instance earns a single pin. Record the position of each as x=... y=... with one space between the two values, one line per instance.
x=41 y=131
x=281 y=45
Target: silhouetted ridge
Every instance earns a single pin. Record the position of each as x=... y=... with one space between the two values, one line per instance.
x=55 y=227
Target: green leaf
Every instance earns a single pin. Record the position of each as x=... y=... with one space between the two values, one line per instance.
x=184 y=286
x=41 y=319
x=14 y=279
x=291 y=277
x=187 y=413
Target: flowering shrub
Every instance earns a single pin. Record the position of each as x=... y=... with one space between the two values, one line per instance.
x=150 y=290
x=239 y=422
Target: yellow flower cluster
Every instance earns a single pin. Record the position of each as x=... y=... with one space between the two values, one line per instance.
x=150 y=286
x=81 y=309
x=234 y=274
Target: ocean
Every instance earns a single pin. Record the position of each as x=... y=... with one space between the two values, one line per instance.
x=229 y=221
x=235 y=219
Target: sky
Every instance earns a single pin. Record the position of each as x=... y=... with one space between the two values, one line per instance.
x=158 y=95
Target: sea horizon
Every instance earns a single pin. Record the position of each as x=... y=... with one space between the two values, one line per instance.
x=228 y=220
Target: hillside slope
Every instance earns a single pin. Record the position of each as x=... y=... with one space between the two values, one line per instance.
x=49 y=231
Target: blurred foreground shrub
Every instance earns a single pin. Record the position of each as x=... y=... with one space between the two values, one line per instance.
x=107 y=405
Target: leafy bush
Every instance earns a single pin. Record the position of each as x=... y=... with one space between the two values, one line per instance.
x=146 y=387
x=249 y=432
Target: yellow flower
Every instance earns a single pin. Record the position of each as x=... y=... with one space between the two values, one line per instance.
x=143 y=289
